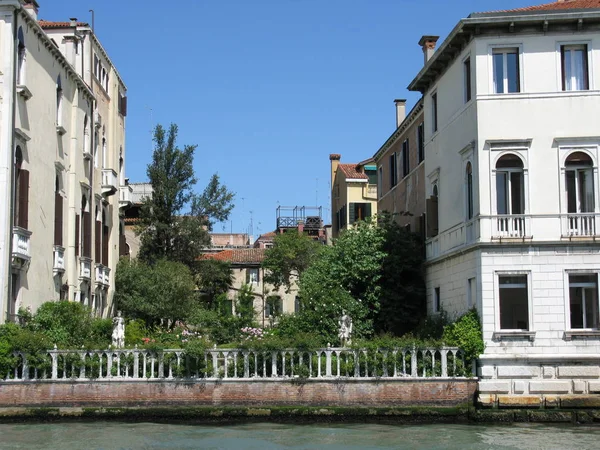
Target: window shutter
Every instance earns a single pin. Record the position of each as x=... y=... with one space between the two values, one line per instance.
x=105 y=239
x=58 y=219
x=77 y=243
x=367 y=210
x=98 y=243
x=586 y=72
x=23 y=221
x=87 y=234
x=562 y=67
x=352 y=213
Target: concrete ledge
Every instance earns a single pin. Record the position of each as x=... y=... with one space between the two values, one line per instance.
x=495 y=387
x=580 y=401
x=553 y=387
x=519 y=401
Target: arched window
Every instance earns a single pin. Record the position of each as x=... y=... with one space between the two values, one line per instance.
x=87 y=228
x=510 y=189
x=469 y=187
x=59 y=101
x=21 y=56
x=579 y=182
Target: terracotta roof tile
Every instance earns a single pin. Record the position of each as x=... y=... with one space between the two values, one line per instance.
x=559 y=6
x=239 y=256
x=50 y=24
x=351 y=171
x=269 y=235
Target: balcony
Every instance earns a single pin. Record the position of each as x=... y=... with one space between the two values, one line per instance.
x=85 y=268
x=125 y=196
x=21 y=248
x=58 y=266
x=578 y=225
x=370 y=191
x=109 y=182
x=102 y=275
x=510 y=227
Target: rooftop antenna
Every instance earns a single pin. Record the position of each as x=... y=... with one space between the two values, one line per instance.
x=93 y=19
x=317 y=192
x=251 y=224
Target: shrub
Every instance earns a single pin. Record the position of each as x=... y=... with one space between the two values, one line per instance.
x=466 y=333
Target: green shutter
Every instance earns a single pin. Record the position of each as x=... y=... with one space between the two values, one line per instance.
x=352 y=213
x=367 y=210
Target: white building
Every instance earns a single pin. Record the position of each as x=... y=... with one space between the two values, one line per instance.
x=512 y=138
x=62 y=132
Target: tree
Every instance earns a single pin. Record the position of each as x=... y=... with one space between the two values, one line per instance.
x=292 y=253
x=402 y=284
x=167 y=230
x=212 y=277
x=163 y=291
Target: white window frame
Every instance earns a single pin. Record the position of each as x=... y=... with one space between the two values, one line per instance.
x=504 y=48
x=496 y=157
x=592 y=149
x=510 y=273
x=567 y=296
x=253 y=276
x=559 y=46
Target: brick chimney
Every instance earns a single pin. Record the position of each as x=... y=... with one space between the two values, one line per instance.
x=73 y=21
x=400 y=110
x=335 y=162
x=428 y=45
x=32 y=7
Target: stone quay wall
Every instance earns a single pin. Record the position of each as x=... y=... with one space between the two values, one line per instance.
x=335 y=392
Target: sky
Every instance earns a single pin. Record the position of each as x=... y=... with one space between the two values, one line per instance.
x=266 y=89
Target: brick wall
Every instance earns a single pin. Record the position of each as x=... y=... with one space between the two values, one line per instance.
x=233 y=393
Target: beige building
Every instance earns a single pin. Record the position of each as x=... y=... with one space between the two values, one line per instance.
x=268 y=301
x=353 y=192
x=401 y=169
x=62 y=132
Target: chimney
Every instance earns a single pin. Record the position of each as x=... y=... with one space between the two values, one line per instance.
x=400 y=110
x=73 y=21
x=335 y=162
x=300 y=226
x=32 y=7
x=428 y=45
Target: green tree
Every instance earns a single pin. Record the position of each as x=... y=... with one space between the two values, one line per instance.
x=163 y=291
x=167 y=229
x=292 y=253
x=212 y=277
x=402 y=284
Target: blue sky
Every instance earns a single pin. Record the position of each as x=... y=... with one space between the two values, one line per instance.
x=267 y=89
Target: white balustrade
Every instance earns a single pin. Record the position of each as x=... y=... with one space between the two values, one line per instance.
x=21 y=243
x=243 y=364
x=109 y=181
x=510 y=226
x=125 y=195
x=583 y=225
x=85 y=268
x=59 y=259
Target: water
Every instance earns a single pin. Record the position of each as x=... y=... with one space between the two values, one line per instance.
x=266 y=436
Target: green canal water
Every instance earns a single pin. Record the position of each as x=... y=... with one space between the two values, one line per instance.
x=266 y=436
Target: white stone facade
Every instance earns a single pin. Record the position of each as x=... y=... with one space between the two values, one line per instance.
x=61 y=166
x=511 y=154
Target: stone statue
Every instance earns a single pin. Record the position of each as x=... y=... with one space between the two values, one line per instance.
x=118 y=334
x=345 y=333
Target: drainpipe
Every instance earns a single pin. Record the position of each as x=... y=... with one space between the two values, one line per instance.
x=11 y=208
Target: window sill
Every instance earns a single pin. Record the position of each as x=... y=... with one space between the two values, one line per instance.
x=513 y=335
x=24 y=91
x=581 y=334
x=60 y=130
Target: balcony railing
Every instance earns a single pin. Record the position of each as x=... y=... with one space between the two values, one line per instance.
x=58 y=265
x=102 y=275
x=579 y=225
x=21 y=247
x=510 y=226
x=125 y=196
x=370 y=191
x=85 y=268
x=109 y=181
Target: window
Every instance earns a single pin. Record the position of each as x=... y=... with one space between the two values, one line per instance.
x=87 y=228
x=574 y=67
x=471 y=293
x=434 y=112
x=506 y=70
x=359 y=211
x=59 y=101
x=431 y=217
x=372 y=174
x=86 y=135
x=21 y=192
x=514 y=303
x=273 y=306
x=510 y=192
x=104 y=154
x=467 y=70
x=96 y=66
x=122 y=104
x=436 y=300
x=405 y=158
x=21 y=55
x=583 y=300
x=469 y=186
x=421 y=142
x=579 y=181
x=252 y=276
x=393 y=170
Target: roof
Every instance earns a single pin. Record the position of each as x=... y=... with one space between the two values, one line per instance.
x=558 y=6
x=269 y=235
x=351 y=171
x=50 y=24
x=414 y=113
x=239 y=256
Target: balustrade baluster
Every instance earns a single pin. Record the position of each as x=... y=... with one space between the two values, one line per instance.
x=395 y=356
x=424 y=354
x=54 y=359
x=384 y=362
x=283 y=363
x=318 y=364
x=413 y=362
x=136 y=364
x=226 y=364
x=215 y=364
x=235 y=355
x=273 y=364
x=246 y=365
x=264 y=360
x=366 y=363
x=328 y=363
x=82 y=367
